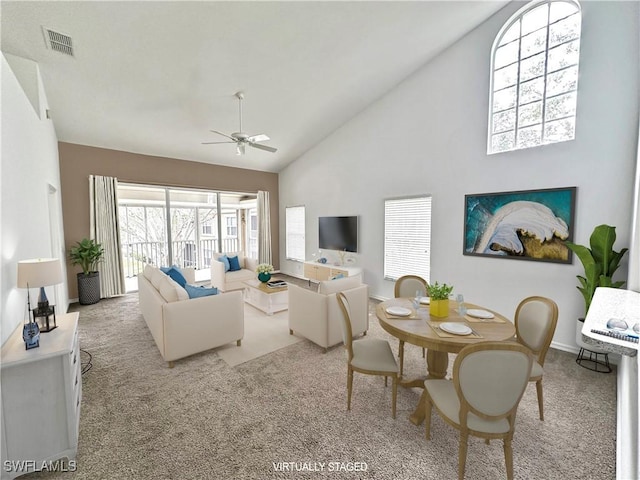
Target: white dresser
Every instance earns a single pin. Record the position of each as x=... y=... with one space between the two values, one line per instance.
x=41 y=396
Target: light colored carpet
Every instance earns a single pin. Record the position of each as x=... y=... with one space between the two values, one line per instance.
x=263 y=334
x=206 y=420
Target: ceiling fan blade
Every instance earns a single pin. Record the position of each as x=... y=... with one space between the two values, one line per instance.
x=214 y=143
x=263 y=147
x=223 y=134
x=261 y=137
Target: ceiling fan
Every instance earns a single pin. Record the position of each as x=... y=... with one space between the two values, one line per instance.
x=242 y=139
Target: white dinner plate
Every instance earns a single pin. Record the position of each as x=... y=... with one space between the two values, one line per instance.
x=455 y=328
x=398 y=311
x=474 y=312
x=425 y=300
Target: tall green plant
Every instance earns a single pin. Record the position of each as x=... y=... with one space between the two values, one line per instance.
x=600 y=262
x=87 y=253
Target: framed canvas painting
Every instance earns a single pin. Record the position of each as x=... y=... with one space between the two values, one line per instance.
x=525 y=225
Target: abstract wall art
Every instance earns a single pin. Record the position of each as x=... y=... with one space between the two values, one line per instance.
x=525 y=225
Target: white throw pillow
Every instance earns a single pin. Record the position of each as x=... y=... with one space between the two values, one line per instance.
x=157 y=277
x=148 y=271
x=171 y=291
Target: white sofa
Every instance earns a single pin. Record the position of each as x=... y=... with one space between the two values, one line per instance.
x=317 y=315
x=225 y=281
x=182 y=326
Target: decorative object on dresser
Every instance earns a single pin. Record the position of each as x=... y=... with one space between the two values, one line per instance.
x=87 y=253
x=39 y=273
x=41 y=397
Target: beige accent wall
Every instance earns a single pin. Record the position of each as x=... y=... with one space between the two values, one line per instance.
x=77 y=162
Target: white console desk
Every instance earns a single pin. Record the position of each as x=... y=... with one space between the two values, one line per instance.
x=41 y=395
x=318 y=272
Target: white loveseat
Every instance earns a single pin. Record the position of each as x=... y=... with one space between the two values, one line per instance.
x=317 y=316
x=182 y=326
x=225 y=281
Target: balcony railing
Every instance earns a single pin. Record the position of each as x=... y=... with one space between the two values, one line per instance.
x=185 y=254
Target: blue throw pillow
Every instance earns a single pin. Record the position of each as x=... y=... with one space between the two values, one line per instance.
x=196 y=292
x=234 y=264
x=165 y=270
x=225 y=260
x=175 y=273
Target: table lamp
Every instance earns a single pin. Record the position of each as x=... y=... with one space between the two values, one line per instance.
x=40 y=272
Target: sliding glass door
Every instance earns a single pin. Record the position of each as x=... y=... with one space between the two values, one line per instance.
x=199 y=223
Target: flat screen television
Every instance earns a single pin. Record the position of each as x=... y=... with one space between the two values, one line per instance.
x=338 y=233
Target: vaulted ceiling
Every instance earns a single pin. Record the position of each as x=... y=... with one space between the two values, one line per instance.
x=156 y=77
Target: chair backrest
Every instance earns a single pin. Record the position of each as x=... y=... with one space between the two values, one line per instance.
x=535 y=321
x=327 y=287
x=347 y=332
x=408 y=285
x=490 y=379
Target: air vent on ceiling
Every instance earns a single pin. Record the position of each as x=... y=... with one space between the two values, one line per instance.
x=58 y=41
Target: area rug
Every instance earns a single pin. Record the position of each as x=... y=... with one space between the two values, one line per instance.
x=283 y=416
x=263 y=334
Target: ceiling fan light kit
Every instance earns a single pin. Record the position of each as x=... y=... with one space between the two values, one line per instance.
x=242 y=139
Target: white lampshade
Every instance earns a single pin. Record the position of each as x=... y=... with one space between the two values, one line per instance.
x=39 y=272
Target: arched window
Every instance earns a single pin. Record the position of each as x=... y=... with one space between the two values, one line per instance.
x=534 y=77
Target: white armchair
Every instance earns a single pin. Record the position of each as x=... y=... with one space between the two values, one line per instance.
x=225 y=281
x=317 y=316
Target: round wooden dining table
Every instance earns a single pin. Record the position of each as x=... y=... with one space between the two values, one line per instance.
x=422 y=329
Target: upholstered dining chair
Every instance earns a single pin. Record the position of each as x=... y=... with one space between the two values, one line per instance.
x=371 y=356
x=535 y=321
x=407 y=286
x=489 y=379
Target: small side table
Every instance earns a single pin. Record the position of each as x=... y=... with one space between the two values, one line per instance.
x=45 y=314
x=589 y=356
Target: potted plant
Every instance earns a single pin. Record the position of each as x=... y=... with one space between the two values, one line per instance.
x=264 y=271
x=600 y=262
x=439 y=299
x=87 y=253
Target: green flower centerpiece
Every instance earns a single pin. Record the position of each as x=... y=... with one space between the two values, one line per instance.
x=439 y=303
x=264 y=271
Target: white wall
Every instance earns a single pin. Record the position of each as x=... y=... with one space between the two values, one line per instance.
x=29 y=174
x=428 y=135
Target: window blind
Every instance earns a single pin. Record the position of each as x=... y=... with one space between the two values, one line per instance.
x=407 y=237
x=295 y=228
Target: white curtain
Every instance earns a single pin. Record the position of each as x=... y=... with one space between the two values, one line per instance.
x=628 y=434
x=105 y=230
x=264 y=228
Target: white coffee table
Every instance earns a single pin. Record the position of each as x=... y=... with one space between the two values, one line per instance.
x=269 y=300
